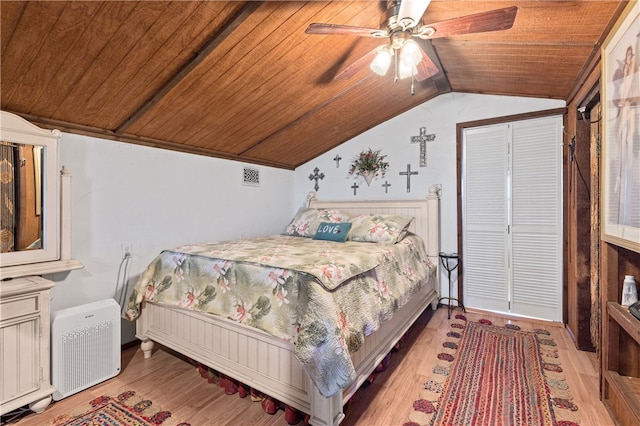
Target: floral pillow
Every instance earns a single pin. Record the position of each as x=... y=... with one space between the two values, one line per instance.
x=305 y=223
x=381 y=228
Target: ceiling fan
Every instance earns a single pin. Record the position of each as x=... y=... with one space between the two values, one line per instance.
x=403 y=22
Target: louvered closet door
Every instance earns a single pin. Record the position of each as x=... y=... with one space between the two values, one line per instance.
x=512 y=218
x=485 y=214
x=536 y=231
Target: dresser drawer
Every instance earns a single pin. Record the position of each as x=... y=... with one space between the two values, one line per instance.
x=19 y=306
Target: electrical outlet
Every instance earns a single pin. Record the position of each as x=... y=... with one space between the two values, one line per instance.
x=126 y=250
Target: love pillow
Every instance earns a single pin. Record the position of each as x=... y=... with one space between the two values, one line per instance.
x=333 y=231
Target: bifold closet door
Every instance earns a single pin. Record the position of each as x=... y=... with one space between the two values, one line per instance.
x=485 y=218
x=512 y=217
x=536 y=231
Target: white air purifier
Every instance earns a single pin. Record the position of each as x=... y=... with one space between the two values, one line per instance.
x=85 y=346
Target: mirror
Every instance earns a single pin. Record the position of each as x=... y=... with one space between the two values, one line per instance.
x=21 y=212
x=29 y=205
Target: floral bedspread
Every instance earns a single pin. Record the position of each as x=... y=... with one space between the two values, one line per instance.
x=323 y=296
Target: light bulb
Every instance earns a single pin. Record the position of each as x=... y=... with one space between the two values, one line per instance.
x=380 y=64
x=405 y=71
x=410 y=54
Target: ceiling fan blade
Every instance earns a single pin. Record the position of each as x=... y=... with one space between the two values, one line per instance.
x=411 y=12
x=356 y=66
x=493 y=20
x=344 y=30
x=425 y=68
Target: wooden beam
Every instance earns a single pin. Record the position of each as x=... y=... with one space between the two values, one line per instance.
x=592 y=65
x=200 y=56
x=78 y=129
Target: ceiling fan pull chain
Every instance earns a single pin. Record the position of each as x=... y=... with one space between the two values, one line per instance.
x=395 y=68
x=413 y=87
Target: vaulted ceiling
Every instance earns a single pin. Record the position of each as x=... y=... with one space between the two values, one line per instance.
x=242 y=80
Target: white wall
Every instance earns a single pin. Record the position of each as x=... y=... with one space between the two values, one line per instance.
x=439 y=116
x=145 y=199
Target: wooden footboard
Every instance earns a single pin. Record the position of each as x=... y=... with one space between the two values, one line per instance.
x=267 y=363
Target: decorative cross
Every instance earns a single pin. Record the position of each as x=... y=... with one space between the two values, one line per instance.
x=423 y=138
x=316 y=176
x=337 y=159
x=408 y=174
x=355 y=186
x=386 y=186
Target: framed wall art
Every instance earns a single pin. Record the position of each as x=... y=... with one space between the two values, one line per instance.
x=620 y=198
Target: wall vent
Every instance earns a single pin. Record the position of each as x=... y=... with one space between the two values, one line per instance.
x=250 y=176
x=85 y=346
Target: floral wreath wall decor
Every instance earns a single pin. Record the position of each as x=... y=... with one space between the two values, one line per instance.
x=369 y=164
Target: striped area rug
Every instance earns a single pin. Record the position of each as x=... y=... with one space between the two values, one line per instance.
x=490 y=375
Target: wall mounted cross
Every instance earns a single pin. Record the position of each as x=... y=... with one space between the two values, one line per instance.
x=337 y=159
x=386 y=186
x=422 y=139
x=316 y=175
x=408 y=174
x=355 y=186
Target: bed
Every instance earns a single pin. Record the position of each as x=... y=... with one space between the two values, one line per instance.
x=288 y=368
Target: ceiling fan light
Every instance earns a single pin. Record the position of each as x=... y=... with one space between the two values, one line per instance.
x=410 y=54
x=406 y=71
x=380 y=64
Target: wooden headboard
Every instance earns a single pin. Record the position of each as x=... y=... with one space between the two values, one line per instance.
x=426 y=213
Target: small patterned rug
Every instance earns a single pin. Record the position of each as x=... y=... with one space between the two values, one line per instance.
x=124 y=409
x=490 y=375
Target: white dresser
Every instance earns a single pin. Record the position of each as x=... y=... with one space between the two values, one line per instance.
x=24 y=344
x=25 y=322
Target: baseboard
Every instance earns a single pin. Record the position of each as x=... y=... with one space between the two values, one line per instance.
x=129 y=345
x=516 y=317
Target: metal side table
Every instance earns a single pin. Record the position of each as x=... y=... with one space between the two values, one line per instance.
x=450 y=263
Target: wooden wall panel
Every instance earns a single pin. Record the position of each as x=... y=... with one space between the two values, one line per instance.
x=233 y=79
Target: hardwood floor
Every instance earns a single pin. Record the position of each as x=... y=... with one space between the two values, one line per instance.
x=175 y=385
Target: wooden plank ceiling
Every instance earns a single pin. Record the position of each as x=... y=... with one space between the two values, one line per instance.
x=242 y=80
